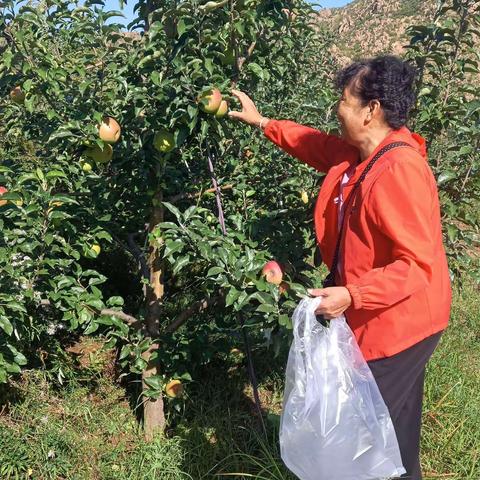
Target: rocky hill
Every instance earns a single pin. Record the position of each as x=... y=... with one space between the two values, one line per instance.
x=371 y=27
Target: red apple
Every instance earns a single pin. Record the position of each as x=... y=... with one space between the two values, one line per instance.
x=273 y=272
x=2 y=191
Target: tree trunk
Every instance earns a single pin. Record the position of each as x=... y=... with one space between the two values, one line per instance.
x=153 y=414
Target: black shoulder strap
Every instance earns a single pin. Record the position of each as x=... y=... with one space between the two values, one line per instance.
x=330 y=279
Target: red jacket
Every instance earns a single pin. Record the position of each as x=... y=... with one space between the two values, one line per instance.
x=393 y=260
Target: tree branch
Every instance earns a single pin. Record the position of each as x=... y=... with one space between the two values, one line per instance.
x=182 y=317
x=197 y=307
x=130 y=320
x=181 y=196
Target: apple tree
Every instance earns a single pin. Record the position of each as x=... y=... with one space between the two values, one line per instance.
x=155 y=238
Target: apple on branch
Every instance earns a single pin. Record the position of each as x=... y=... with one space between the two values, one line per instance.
x=164 y=141
x=222 y=109
x=17 y=95
x=210 y=101
x=174 y=388
x=109 y=130
x=100 y=155
x=2 y=191
x=273 y=273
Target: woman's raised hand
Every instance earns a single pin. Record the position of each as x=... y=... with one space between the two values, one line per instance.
x=249 y=113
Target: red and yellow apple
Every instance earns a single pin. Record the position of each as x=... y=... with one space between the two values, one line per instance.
x=210 y=101
x=291 y=16
x=109 y=130
x=222 y=109
x=273 y=272
x=17 y=95
x=2 y=191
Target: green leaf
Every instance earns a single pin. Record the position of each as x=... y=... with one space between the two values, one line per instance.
x=285 y=321
x=173 y=209
x=27 y=85
x=125 y=352
x=181 y=27
x=232 y=295
x=452 y=232
x=256 y=69
x=215 y=271
x=13 y=368
x=98 y=304
x=115 y=301
x=209 y=65
x=446 y=176
x=56 y=174
x=173 y=246
x=92 y=327
x=266 y=308
x=60 y=134
x=16 y=306
x=156 y=78
x=5 y=325
x=167 y=225
x=155 y=382
x=180 y=263
x=465 y=150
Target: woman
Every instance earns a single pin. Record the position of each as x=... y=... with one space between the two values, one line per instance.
x=390 y=273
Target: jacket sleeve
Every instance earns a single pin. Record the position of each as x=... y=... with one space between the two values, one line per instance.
x=401 y=205
x=318 y=149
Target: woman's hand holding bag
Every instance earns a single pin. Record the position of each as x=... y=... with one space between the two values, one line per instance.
x=334 y=423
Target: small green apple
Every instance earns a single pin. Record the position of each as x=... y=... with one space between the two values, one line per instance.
x=100 y=155
x=164 y=141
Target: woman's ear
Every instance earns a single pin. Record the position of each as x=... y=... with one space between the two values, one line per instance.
x=373 y=107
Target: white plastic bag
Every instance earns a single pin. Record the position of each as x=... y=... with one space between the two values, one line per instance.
x=334 y=424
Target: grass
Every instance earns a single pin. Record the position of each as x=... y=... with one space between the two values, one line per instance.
x=88 y=431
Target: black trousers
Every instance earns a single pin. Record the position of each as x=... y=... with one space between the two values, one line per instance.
x=400 y=379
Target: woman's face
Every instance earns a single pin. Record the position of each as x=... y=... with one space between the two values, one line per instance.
x=353 y=117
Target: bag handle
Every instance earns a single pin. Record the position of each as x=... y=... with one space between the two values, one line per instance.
x=330 y=278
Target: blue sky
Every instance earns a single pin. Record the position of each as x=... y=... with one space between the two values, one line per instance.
x=128 y=10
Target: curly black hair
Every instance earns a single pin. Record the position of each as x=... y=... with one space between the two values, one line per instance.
x=388 y=79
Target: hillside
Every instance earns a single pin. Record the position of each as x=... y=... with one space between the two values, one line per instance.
x=372 y=27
